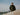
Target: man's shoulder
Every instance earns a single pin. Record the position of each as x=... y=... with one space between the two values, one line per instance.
x=13 y=5
x=10 y=5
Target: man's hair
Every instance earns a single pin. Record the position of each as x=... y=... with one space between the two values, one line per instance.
x=12 y=3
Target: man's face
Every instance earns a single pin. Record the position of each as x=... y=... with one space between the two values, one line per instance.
x=11 y=3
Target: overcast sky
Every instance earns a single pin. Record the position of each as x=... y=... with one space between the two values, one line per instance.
x=6 y=3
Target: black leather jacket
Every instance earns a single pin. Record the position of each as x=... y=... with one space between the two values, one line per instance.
x=12 y=8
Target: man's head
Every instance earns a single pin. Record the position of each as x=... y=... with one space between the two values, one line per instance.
x=12 y=3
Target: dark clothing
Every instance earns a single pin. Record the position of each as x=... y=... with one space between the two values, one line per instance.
x=12 y=8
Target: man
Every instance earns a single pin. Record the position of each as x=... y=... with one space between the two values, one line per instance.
x=12 y=7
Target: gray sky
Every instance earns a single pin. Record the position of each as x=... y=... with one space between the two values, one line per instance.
x=6 y=3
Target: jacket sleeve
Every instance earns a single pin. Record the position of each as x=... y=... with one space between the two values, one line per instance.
x=14 y=8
